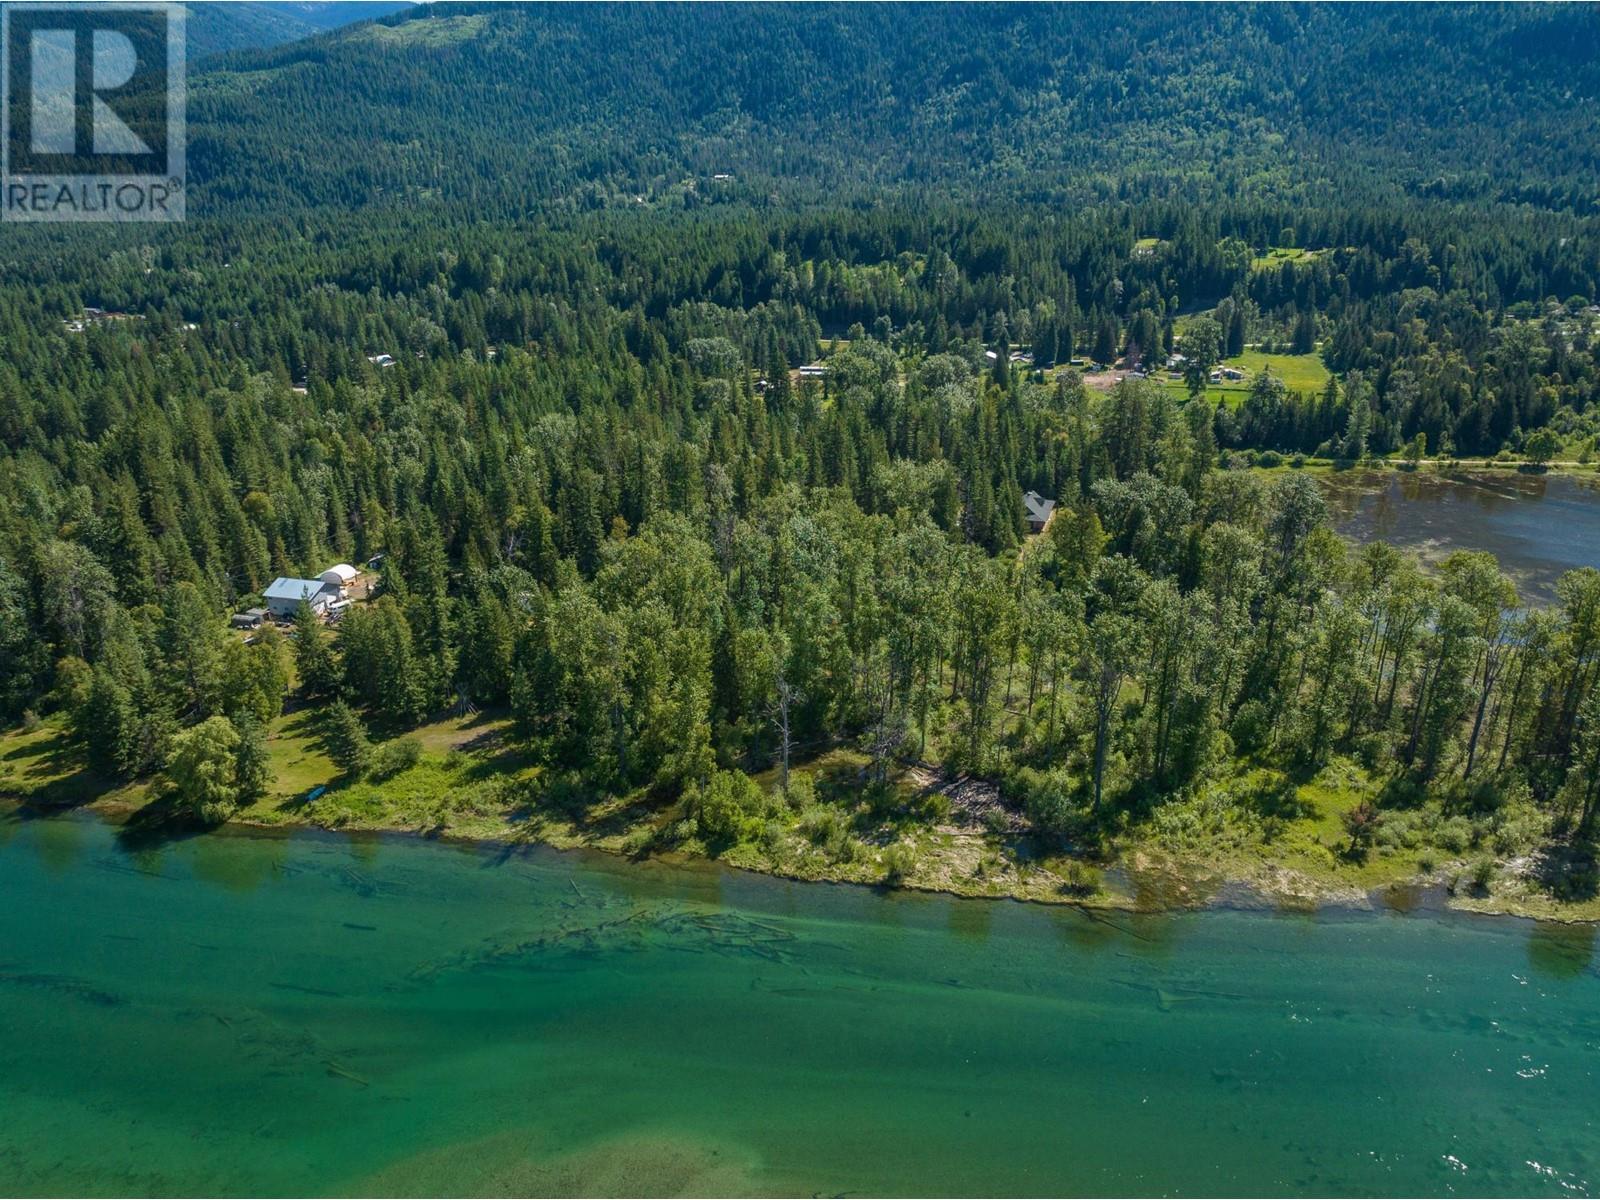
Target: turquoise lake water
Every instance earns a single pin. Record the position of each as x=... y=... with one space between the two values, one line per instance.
x=318 y=1014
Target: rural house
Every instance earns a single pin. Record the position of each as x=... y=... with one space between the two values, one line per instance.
x=283 y=596
x=1037 y=510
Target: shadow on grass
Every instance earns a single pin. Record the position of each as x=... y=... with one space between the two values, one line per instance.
x=65 y=792
x=616 y=816
x=56 y=750
x=51 y=773
x=1568 y=871
x=1401 y=791
x=841 y=781
x=505 y=760
x=1279 y=799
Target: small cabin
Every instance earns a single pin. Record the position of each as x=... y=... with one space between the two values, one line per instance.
x=1036 y=510
x=250 y=618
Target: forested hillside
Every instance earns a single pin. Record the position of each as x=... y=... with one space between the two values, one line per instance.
x=213 y=28
x=461 y=295
x=599 y=104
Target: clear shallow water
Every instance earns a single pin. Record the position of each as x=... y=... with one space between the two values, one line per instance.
x=312 y=1014
x=1538 y=526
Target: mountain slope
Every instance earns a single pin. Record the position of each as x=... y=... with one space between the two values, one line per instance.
x=216 y=28
x=594 y=104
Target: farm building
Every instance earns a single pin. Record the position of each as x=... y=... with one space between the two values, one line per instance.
x=250 y=618
x=1037 y=510
x=340 y=575
x=283 y=596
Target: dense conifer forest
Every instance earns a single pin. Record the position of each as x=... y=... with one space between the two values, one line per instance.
x=519 y=345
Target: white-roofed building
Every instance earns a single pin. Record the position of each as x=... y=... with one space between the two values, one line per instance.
x=284 y=595
x=340 y=575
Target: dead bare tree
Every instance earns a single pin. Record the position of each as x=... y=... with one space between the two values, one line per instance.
x=786 y=696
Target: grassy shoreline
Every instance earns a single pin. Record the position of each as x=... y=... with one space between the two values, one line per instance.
x=472 y=784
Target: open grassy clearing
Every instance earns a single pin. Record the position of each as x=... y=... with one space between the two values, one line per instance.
x=1304 y=373
x=1276 y=256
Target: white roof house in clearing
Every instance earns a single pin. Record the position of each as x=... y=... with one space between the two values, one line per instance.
x=283 y=595
x=341 y=575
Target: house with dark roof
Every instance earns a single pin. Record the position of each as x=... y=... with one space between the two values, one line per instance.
x=1037 y=510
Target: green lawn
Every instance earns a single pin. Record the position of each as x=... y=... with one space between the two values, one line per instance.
x=1305 y=373
x=300 y=764
x=1276 y=256
x=41 y=765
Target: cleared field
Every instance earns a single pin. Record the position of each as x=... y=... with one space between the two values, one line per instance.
x=44 y=765
x=1304 y=373
x=1276 y=256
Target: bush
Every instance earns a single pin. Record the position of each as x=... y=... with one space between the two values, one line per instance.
x=727 y=808
x=1252 y=725
x=826 y=828
x=932 y=808
x=1478 y=796
x=1516 y=830
x=393 y=757
x=1048 y=804
x=1082 y=879
x=1482 y=874
x=1362 y=824
x=899 y=860
x=1398 y=831
x=802 y=793
x=882 y=800
x=1454 y=834
x=1269 y=458
x=822 y=824
x=773 y=835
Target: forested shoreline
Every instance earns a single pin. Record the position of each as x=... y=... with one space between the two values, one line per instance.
x=611 y=508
